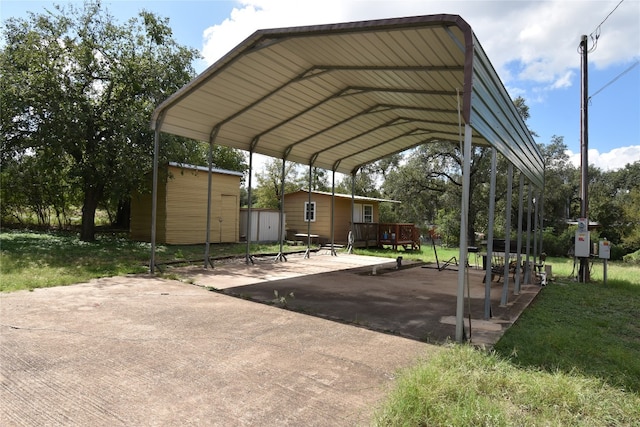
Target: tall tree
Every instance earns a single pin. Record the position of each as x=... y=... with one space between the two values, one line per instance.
x=560 y=188
x=78 y=87
x=269 y=189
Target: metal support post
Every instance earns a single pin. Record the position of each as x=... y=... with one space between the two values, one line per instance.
x=507 y=238
x=492 y=209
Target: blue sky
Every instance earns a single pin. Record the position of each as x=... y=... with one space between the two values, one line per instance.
x=532 y=45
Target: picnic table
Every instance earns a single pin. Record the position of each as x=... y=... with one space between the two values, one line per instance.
x=306 y=236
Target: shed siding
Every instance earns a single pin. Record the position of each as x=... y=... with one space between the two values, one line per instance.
x=187 y=207
x=140 y=226
x=294 y=208
x=182 y=209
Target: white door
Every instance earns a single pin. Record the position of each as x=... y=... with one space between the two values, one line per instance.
x=357 y=213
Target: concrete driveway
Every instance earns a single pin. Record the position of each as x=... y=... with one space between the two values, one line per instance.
x=146 y=351
x=142 y=350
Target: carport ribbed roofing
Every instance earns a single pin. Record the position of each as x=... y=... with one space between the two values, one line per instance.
x=343 y=95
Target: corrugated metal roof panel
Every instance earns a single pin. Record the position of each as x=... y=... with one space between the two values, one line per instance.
x=344 y=95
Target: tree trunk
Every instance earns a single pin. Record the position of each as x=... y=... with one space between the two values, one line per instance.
x=92 y=195
x=123 y=214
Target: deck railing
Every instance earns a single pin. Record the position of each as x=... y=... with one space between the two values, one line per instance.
x=393 y=234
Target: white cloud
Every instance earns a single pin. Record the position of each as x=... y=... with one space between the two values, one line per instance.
x=541 y=37
x=615 y=159
x=253 y=15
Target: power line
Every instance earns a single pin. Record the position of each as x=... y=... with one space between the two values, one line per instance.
x=614 y=79
x=595 y=34
x=607 y=17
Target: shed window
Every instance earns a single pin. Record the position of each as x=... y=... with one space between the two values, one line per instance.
x=367 y=213
x=309 y=211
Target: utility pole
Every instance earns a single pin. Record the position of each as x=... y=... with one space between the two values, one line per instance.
x=583 y=275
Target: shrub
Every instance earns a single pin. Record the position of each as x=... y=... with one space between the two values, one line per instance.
x=633 y=258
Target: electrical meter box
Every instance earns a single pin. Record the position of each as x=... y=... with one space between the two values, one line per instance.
x=583 y=239
x=604 y=249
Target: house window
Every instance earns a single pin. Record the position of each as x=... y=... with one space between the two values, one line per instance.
x=309 y=211
x=367 y=213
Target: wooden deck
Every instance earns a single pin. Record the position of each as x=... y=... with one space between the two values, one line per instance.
x=368 y=234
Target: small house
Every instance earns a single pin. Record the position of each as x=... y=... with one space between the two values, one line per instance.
x=297 y=209
x=182 y=207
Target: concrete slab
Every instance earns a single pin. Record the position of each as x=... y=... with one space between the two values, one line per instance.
x=145 y=351
x=414 y=302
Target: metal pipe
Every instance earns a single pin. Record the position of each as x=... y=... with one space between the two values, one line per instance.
x=351 y=239
x=281 y=230
x=516 y=290
x=154 y=192
x=308 y=253
x=527 y=266
x=333 y=211
x=207 y=259
x=507 y=237
x=464 y=217
x=249 y=202
x=492 y=210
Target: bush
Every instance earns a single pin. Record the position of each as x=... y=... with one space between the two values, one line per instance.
x=633 y=258
x=557 y=245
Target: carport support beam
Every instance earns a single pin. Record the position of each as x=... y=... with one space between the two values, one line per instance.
x=492 y=212
x=527 y=265
x=248 y=258
x=464 y=218
x=516 y=290
x=307 y=254
x=333 y=211
x=507 y=238
x=154 y=196
x=207 y=258
x=351 y=238
x=281 y=256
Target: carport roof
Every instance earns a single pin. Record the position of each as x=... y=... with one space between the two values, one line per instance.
x=340 y=96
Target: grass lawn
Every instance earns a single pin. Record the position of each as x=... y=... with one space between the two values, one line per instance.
x=30 y=260
x=466 y=387
x=573 y=357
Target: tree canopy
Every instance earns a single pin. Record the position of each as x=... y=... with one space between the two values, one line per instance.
x=77 y=93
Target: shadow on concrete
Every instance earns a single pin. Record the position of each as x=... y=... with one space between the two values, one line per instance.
x=412 y=302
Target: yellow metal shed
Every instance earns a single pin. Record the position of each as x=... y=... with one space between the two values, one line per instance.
x=182 y=207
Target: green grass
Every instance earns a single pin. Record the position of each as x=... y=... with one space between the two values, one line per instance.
x=460 y=386
x=30 y=259
x=581 y=327
x=425 y=254
x=573 y=357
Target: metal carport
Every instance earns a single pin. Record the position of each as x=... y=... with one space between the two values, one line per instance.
x=340 y=96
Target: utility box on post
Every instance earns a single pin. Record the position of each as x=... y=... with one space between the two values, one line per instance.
x=604 y=250
x=582 y=240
